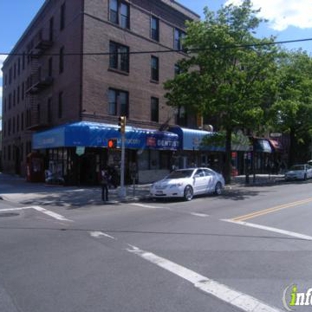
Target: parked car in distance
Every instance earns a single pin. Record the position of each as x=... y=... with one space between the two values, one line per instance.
x=299 y=172
x=186 y=183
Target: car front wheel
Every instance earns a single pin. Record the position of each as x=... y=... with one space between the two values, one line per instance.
x=218 y=189
x=188 y=193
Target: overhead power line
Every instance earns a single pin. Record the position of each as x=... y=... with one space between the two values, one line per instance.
x=234 y=46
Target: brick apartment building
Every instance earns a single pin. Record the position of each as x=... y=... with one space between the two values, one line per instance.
x=80 y=65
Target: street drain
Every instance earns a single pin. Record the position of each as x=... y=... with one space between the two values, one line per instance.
x=9 y=214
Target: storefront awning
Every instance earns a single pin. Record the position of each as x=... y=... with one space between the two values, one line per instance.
x=191 y=139
x=91 y=134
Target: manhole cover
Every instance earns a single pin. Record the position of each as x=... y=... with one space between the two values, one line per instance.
x=9 y=214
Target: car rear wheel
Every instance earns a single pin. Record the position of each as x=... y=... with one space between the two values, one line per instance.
x=218 y=189
x=188 y=193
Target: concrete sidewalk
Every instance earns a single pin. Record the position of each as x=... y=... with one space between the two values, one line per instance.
x=18 y=190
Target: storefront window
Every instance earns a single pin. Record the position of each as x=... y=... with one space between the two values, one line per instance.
x=143 y=160
x=154 y=160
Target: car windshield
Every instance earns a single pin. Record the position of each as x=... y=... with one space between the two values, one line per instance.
x=180 y=174
x=297 y=167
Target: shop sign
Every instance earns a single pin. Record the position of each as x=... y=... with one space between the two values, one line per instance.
x=80 y=150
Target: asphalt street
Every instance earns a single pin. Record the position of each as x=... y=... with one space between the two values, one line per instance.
x=242 y=251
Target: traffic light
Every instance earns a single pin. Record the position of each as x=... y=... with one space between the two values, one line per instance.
x=112 y=143
x=122 y=124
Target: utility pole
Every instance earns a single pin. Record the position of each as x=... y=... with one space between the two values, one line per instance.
x=122 y=129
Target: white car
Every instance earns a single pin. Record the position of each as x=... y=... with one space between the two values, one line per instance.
x=299 y=172
x=186 y=183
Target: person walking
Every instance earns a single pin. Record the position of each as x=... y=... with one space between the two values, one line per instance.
x=105 y=184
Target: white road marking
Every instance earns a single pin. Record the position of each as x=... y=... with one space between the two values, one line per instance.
x=97 y=234
x=51 y=214
x=14 y=209
x=148 y=206
x=199 y=214
x=40 y=209
x=202 y=215
x=223 y=292
x=271 y=229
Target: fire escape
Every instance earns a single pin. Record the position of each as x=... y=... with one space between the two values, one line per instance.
x=40 y=79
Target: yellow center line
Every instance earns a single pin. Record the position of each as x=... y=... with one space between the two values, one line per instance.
x=269 y=210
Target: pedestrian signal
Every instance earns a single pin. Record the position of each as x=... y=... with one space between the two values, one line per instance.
x=112 y=143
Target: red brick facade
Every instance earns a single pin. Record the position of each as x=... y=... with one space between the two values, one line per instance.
x=61 y=71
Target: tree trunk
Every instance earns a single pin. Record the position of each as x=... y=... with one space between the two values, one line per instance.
x=228 y=157
x=292 y=149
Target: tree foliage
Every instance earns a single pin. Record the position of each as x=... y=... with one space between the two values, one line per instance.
x=292 y=111
x=230 y=73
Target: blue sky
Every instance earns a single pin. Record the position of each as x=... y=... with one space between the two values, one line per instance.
x=288 y=20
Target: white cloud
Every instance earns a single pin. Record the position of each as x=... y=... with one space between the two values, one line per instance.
x=282 y=14
x=2 y=58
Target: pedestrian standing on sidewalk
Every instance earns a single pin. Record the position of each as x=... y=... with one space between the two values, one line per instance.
x=104 y=183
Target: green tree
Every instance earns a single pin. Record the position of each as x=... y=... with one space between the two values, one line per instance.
x=292 y=112
x=229 y=73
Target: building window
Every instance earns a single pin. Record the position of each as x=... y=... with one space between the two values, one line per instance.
x=23 y=91
x=10 y=75
x=179 y=35
x=155 y=28
x=51 y=29
x=154 y=68
x=154 y=109
x=119 y=13
x=22 y=122
x=10 y=101
x=9 y=127
x=60 y=105
x=38 y=113
x=14 y=71
x=18 y=66
x=49 y=110
x=23 y=60
x=9 y=152
x=28 y=117
x=61 y=60
x=18 y=95
x=28 y=147
x=177 y=70
x=13 y=128
x=50 y=66
x=14 y=98
x=119 y=57
x=22 y=151
x=118 y=102
x=62 y=16
x=181 y=117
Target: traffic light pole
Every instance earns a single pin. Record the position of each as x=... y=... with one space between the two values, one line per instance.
x=122 y=191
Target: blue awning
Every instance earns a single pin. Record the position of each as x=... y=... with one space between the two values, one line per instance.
x=191 y=139
x=91 y=134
